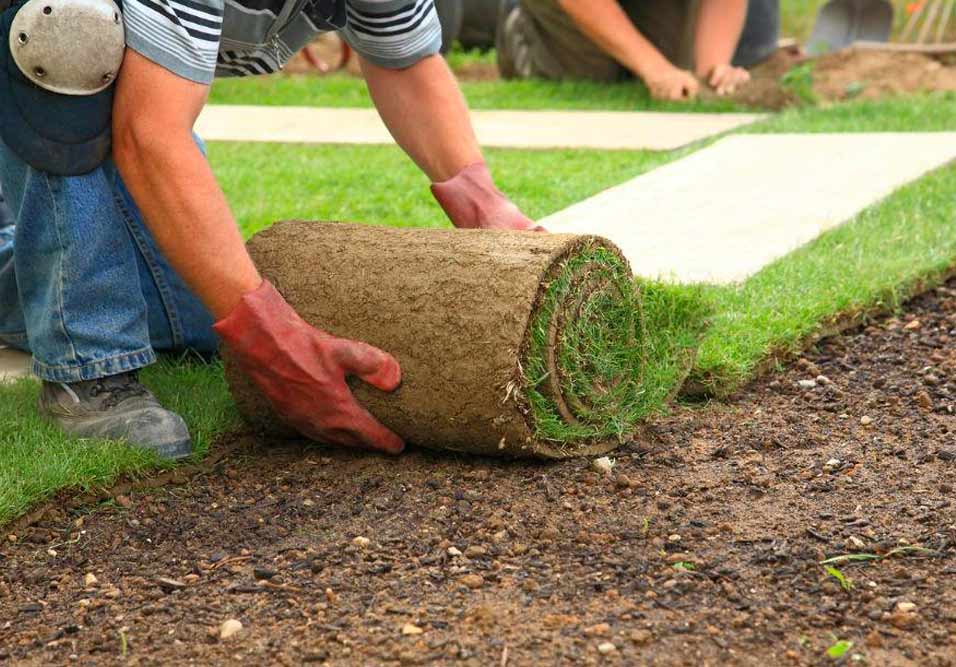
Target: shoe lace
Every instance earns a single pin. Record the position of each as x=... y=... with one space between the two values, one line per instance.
x=117 y=389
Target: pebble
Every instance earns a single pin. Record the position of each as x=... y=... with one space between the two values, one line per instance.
x=603 y=465
x=623 y=482
x=454 y=552
x=641 y=636
x=476 y=551
x=361 y=542
x=946 y=455
x=473 y=581
x=229 y=628
x=914 y=324
x=411 y=629
x=823 y=379
x=599 y=630
x=604 y=648
x=924 y=400
x=807 y=384
x=865 y=420
x=832 y=464
x=673 y=538
x=123 y=501
x=169 y=585
x=90 y=580
x=906 y=607
x=11 y=538
x=857 y=542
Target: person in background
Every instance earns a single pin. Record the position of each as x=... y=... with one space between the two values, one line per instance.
x=673 y=46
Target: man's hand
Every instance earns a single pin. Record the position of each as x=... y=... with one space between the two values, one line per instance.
x=471 y=201
x=303 y=371
x=670 y=83
x=725 y=79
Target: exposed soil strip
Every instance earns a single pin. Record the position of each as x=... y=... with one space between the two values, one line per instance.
x=704 y=546
x=511 y=343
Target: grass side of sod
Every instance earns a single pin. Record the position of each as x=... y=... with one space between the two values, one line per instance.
x=867 y=264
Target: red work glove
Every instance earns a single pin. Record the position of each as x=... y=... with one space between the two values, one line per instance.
x=472 y=201
x=302 y=371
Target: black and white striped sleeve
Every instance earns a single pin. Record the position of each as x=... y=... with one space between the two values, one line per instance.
x=181 y=35
x=393 y=33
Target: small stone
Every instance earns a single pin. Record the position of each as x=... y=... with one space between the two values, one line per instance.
x=674 y=538
x=914 y=324
x=605 y=648
x=865 y=420
x=906 y=607
x=603 y=465
x=411 y=629
x=361 y=542
x=641 y=637
x=308 y=502
x=924 y=400
x=832 y=464
x=806 y=384
x=89 y=579
x=170 y=585
x=229 y=628
x=263 y=573
x=623 y=482
x=476 y=551
x=454 y=552
x=599 y=630
x=824 y=380
x=123 y=501
x=874 y=639
x=11 y=538
x=946 y=454
x=473 y=581
x=857 y=542
x=903 y=620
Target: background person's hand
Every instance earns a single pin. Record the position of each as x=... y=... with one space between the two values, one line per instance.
x=303 y=370
x=671 y=84
x=726 y=79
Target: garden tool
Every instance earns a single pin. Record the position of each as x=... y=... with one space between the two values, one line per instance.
x=842 y=22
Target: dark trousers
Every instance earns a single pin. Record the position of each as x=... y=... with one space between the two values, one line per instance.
x=542 y=41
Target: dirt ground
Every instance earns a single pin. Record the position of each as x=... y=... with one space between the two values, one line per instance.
x=702 y=547
x=846 y=75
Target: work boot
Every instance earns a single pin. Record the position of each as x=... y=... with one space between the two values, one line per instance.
x=117 y=407
x=512 y=42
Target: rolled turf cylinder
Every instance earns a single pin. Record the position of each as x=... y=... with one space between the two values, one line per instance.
x=513 y=344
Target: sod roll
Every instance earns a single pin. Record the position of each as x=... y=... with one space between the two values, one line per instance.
x=514 y=344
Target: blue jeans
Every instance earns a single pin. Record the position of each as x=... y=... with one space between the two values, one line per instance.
x=83 y=286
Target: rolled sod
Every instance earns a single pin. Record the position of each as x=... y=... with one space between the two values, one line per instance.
x=515 y=344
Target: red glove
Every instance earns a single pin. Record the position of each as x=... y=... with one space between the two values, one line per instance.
x=302 y=371
x=472 y=201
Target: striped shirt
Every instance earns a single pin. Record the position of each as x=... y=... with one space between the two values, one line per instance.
x=201 y=39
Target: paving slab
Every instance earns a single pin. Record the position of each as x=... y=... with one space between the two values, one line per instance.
x=723 y=213
x=608 y=130
x=14 y=365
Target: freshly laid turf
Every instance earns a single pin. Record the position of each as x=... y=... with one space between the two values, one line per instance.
x=869 y=263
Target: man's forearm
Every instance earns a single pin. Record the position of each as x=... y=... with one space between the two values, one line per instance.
x=187 y=214
x=719 y=25
x=606 y=24
x=426 y=113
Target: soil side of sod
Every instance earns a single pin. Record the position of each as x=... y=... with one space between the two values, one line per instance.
x=703 y=546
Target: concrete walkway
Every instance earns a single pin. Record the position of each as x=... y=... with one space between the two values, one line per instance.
x=723 y=213
x=14 y=365
x=611 y=130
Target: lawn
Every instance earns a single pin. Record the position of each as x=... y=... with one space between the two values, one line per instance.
x=869 y=263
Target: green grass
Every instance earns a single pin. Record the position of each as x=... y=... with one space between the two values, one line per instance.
x=340 y=90
x=868 y=263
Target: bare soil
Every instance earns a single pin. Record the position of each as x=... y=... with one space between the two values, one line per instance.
x=848 y=75
x=702 y=547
